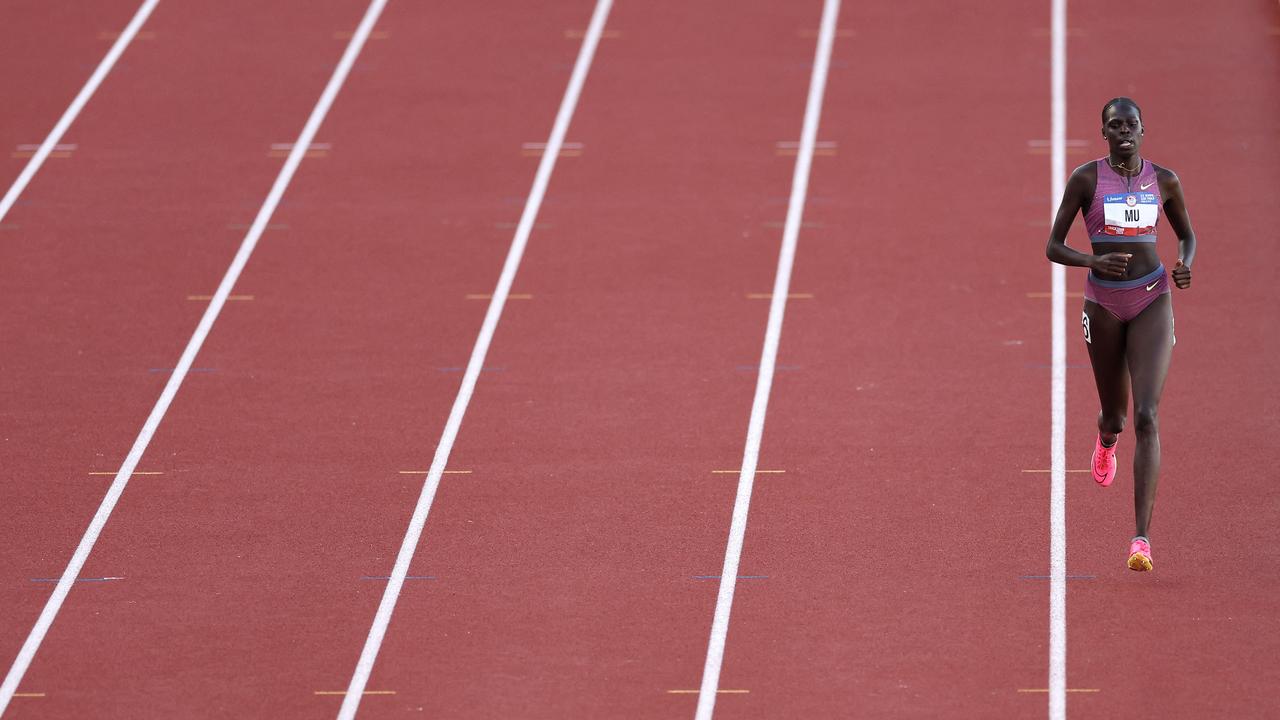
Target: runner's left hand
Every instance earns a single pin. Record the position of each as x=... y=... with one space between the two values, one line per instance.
x=1181 y=276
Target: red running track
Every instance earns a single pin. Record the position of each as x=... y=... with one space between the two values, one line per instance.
x=895 y=542
x=49 y=51
x=173 y=155
x=568 y=561
x=887 y=566
x=1203 y=628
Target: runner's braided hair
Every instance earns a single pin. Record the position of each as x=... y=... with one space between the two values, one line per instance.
x=1120 y=101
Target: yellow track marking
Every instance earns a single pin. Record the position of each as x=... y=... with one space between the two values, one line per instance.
x=1045 y=147
x=604 y=34
x=375 y=35
x=809 y=33
x=1046 y=32
x=781 y=224
x=246 y=226
x=314 y=150
x=113 y=35
x=789 y=148
x=27 y=150
x=535 y=149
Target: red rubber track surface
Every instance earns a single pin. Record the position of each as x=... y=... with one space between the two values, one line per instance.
x=567 y=560
x=895 y=542
x=359 y=311
x=172 y=152
x=905 y=526
x=890 y=571
x=48 y=53
x=1203 y=629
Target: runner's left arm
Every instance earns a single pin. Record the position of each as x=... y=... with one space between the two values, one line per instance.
x=1175 y=209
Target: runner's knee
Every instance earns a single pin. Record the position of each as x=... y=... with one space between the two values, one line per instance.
x=1111 y=423
x=1145 y=420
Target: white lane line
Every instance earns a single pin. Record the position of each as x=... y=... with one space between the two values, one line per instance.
x=382 y=618
x=32 y=644
x=1058 y=392
x=73 y=110
x=768 y=358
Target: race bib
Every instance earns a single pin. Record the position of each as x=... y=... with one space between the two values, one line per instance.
x=1130 y=214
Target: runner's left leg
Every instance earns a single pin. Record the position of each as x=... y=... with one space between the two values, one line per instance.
x=1150 y=346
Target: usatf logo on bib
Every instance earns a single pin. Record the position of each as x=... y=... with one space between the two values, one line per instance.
x=1130 y=214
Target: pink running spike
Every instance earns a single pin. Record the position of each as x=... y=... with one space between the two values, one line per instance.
x=1140 y=555
x=1104 y=463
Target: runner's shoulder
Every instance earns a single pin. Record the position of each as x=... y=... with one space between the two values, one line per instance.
x=1088 y=170
x=1165 y=176
x=1084 y=179
x=1168 y=178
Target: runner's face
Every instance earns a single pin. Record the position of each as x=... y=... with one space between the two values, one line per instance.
x=1123 y=130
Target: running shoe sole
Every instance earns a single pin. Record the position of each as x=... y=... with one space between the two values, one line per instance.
x=1139 y=562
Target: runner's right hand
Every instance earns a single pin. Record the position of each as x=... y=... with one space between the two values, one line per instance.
x=1111 y=265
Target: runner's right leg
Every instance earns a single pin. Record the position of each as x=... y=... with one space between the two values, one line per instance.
x=1105 y=336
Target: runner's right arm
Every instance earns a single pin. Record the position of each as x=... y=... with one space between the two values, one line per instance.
x=1075 y=198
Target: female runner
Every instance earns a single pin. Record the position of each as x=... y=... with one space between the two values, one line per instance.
x=1128 y=313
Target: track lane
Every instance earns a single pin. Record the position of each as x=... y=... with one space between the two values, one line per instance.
x=568 y=562
x=896 y=542
x=49 y=51
x=109 y=247
x=549 y=154
x=1202 y=626
x=332 y=380
x=926 y=541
